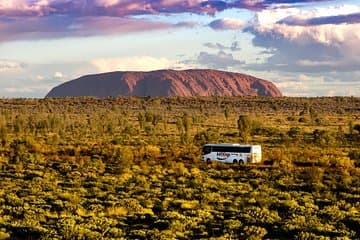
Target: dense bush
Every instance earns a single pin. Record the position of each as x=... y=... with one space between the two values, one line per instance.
x=129 y=168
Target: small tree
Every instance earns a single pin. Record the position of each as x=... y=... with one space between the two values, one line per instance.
x=357 y=127
x=3 y=136
x=245 y=126
x=294 y=133
x=227 y=112
x=351 y=127
x=183 y=125
x=186 y=122
x=207 y=136
x=141 y=119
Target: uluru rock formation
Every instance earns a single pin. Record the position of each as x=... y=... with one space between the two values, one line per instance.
x=166 y=83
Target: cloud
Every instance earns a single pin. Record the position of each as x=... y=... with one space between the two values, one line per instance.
x=312 y=84
x=122 y=8
x=119 y=8
x=21 y=89
x=258 y=5
x=39 y=19
x=220 y=60
x=227 y=24
x=313 y=48
x=234 y=46
x=137 y=63
x=345 y=14
x=36 y=19
x=9 y=65
x=38 y=78
x=218 y=46
x=63 y=26
x=339 y=19
x=18 y=90
x=58 y=75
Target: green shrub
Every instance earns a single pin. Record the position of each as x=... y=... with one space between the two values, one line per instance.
x=253 y=232
x=210 y=135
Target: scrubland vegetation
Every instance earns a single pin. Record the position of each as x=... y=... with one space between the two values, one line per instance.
x=129 y=168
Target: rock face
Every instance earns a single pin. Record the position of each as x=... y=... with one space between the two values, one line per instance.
x=166 y=83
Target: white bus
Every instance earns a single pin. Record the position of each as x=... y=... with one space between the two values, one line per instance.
x=231 y=153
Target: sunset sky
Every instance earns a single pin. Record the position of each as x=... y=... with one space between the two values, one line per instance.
x=307 y=48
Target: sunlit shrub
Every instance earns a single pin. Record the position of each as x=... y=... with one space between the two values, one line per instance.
x=149 y=152
x=257 y=215
x=180 y=169
x=13 y=200
x=253 y=232
x=278 y=158
x=342 y=162
x=310 y=236
x=116 y=211
x=126 y=154
x=4 y=235
x=186 y=205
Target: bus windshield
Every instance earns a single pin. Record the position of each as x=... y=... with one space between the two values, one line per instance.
x=206 y=150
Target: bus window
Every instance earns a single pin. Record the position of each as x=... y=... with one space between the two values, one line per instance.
x=245 y=149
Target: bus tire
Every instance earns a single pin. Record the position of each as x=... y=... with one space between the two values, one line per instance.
x=235 y=161
x=208 y=161
x=241 y=162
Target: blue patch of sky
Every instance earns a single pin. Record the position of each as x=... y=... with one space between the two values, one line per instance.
x=200 y=18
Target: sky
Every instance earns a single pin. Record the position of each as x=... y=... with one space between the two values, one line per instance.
x=306 y=48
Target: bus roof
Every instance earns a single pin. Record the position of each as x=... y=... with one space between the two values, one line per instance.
x=228 y=145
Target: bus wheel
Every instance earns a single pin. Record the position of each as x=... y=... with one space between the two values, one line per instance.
x=208 y=161
x=235 y=161
x=241 y=162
